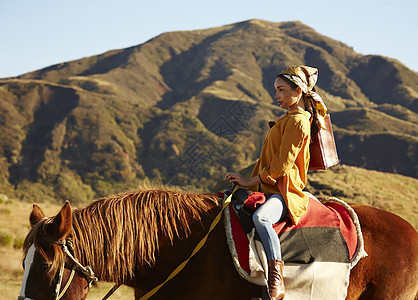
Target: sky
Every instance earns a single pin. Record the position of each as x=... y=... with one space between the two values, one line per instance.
x=38 y=33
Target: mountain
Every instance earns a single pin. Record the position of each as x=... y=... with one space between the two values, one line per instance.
x=187 y=106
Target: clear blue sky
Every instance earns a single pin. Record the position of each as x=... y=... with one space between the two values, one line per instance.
x=38 y=33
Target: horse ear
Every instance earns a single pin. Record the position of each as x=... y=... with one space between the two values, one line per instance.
x=61 y=225
x=36 y=215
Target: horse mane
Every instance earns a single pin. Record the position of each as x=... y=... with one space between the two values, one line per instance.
x=122 y=232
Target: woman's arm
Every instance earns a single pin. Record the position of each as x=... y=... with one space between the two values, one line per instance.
x=238 y=178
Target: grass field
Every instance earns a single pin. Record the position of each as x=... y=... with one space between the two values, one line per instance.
x=395 y=193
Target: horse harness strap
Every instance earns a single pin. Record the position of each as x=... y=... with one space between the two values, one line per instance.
x=196 y=249
x=112 y=290
x=58 y=286
x=70 y=279
x=87 y=271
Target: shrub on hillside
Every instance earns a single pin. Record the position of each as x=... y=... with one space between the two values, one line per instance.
x=6 y=239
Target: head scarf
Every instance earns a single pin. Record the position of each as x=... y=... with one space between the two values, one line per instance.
x=305 y=77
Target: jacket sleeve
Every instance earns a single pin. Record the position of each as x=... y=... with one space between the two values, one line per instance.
x=283 y=161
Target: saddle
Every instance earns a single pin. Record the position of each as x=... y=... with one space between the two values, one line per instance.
x=318 y=252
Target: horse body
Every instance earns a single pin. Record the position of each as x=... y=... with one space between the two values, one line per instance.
x=390 y=271
x=161 y=229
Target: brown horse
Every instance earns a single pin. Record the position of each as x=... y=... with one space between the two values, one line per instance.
x=139 y=238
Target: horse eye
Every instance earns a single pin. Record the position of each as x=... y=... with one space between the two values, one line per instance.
x=45 y=265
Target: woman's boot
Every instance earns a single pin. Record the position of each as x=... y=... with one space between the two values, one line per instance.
x=275 y=280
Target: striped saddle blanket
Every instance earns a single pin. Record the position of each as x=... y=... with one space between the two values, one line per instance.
x=318 y=252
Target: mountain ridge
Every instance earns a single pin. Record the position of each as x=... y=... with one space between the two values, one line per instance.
x=187 y=106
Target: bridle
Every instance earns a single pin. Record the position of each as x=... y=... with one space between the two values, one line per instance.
x=86 y=270
x=67 y=245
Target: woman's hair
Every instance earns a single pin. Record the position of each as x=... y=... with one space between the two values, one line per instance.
x=315 y=125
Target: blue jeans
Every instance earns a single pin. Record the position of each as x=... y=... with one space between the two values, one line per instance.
x=271 y=212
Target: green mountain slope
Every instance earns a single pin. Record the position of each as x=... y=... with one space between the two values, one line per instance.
x=185 y=107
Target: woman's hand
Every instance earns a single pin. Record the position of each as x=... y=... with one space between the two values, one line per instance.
x=238 y=178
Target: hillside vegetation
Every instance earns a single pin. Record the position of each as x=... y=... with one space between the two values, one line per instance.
x=186 y=107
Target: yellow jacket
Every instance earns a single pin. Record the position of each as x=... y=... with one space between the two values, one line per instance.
x=284 y=161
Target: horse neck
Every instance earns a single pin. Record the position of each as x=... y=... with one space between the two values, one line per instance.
x=173 y=254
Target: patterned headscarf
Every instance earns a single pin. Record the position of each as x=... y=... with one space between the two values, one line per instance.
x=305 y=77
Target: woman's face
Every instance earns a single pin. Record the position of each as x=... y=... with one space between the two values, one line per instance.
x=286 y=96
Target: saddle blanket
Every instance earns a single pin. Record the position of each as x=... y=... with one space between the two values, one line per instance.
x=318 y=252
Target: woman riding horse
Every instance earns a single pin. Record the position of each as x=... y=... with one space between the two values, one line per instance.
x=282 y=167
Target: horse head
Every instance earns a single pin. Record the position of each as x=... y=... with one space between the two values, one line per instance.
x=50 y=271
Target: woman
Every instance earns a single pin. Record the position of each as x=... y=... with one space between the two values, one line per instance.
x=281 y=170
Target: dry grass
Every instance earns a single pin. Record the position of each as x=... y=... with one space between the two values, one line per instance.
x=100 y=290
x=11 y=272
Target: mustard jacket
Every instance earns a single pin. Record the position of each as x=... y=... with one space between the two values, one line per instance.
x=284 y=161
